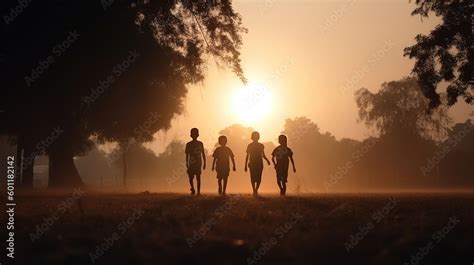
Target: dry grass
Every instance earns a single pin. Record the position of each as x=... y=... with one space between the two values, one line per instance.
x=239 y=224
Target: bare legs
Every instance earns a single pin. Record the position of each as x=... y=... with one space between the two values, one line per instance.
x=198 y=184
x=255 y=186
x=222 y=186
x=280 y=186
x=225 y=186
x=191 y=183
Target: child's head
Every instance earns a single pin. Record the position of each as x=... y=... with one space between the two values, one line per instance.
x=222 y=140
x=255 y=136
x=283 y=140
x=194 y=133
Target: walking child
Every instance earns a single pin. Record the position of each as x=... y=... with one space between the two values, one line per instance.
x=254 y=160
x=221 y=164
x=281 y=156
x=194 y=150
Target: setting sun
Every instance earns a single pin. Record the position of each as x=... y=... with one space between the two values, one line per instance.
x=251 y=103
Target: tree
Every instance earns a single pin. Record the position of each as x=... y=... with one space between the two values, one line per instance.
x=399 y=108
x=407 y=131
x=130 y=60
x=135 y=160
x=316 y=154
x=446 y=53
x=456 y=155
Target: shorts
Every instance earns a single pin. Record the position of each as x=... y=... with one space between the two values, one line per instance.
x=222 y=174
x=282 y=176
x=194 y=170
x=256 y=173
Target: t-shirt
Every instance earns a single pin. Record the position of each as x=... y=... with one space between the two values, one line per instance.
x=222 y=155
x=282 y=154
x=255 y=151
x=194 y=149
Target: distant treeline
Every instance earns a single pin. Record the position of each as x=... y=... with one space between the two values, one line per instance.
x=412 y=148
x=394 y=161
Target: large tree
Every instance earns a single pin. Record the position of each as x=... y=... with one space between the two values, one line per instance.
x=446 y=53
x=120 y=63
x=399 y=108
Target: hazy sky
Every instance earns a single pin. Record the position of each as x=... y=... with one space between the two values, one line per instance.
x=305 y=58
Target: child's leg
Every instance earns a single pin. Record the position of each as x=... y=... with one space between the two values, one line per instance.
x=252 y=182
x=198 y=183
x=219 y=183
x=279 y=184
x=191 y=183
x=257 y=185
x=259 y=179
x=283 y=184
x=225 y=185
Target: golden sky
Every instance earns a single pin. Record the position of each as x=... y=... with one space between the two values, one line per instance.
x=305 y=58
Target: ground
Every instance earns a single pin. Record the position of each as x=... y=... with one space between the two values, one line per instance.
x=148 y=228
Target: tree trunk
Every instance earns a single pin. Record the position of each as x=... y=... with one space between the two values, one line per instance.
x=27 y=167
x=62 y=170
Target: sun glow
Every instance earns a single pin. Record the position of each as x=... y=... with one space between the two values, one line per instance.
x=251 y=103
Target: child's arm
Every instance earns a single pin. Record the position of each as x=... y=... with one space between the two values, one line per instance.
x=293 y=163
x=213 y=163
x=204 y=159
x=187 y=160
x=265 y=157
x=233 y=162
x=246 y=161
x=273 y=160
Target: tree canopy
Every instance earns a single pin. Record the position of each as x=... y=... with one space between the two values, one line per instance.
x=446 y=53
x=123 y=74
x=400 y=108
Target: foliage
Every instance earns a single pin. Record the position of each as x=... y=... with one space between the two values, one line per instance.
x=446 y=53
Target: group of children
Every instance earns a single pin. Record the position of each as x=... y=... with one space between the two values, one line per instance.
x=223 y=155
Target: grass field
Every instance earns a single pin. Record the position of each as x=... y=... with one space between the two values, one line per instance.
x=93 y=228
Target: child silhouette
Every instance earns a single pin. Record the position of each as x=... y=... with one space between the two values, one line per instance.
x=221 y=162
x=253 y=159
x=194 y=150
x=281 y=156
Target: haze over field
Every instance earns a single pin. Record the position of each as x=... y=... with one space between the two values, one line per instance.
x=237 y=132
x=310 y=56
